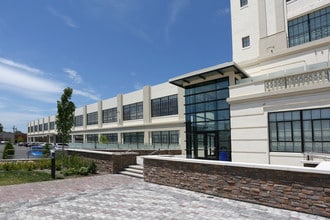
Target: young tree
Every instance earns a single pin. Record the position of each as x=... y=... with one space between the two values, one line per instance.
x=1 y=128
x=65 y=115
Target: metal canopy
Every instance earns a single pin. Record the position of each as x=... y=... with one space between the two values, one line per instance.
x=188 y=78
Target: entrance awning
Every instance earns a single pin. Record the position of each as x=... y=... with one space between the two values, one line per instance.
x=217 y=71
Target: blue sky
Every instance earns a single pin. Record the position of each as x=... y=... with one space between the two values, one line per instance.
x=101 y=48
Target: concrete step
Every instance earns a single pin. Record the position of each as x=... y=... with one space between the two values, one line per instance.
x=133 y=171
x=138 y=171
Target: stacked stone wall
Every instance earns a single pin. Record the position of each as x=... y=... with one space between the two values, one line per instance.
x=301 y=191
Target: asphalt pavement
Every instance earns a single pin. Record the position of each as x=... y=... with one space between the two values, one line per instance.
x=121 y=197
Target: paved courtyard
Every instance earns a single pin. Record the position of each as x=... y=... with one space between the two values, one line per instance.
x=121 y=197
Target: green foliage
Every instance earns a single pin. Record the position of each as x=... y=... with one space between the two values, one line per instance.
x=8 y=151
x=92 y=168
x=83 y=171
x=21 y=176
x=20 y=139
x=76 y=165
x=46 y=150
x=1 y=127
x=103 y=139
x=65 y=115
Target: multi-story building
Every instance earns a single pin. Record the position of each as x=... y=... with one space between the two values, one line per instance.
x=270 y=105
x=153 y=115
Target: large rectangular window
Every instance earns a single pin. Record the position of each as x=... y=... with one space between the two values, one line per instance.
x=92 y=118
x=112 y=138
x=45 y=126
x=109 y=115
x=133 y=111
x=309 y=27
x=92 y=138
x=78 y=120
x=52 y=125
x=165 y=137
x=300 y=131
x=167 y=105
x=133 y=138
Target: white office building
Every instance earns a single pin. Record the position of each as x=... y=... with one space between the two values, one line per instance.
x=270 y=105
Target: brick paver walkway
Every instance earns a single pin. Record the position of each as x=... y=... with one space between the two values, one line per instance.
x=121 y=197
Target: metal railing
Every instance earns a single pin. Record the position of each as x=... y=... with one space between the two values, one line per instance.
x=125 y=147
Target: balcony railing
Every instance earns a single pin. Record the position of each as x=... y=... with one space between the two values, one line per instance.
x=298 y=80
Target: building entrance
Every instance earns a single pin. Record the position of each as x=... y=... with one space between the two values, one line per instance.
x=206 y=146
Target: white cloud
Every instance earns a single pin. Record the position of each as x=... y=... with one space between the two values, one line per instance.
x=86 y=94
x=73 y=75
x=66 y=19
x=177 y=7
x=20 y=66
x=223 y=11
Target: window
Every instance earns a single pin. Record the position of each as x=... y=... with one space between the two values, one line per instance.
x=112 y=138
x=35 y=128
x=309 y=27
x=300 y=131
x=244 y=2
x=45 y=126
x=165 y=137
x=133 y=111
x=92 y=138
x=133 y=138
x=40 y=127
x=52 y=125
x=167 y=105
x=92 y=118
x=246 y=41
x=78 y=120
x=109 y=115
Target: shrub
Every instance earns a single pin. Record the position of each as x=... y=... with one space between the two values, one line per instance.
x=9 y=150
x=83 y=171
x=46 y=150
x=92 y=168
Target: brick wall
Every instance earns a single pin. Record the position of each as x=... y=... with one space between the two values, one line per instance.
x=299 y=189
x=108 y=162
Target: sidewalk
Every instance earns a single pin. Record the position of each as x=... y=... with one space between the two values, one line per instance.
x=121 y=197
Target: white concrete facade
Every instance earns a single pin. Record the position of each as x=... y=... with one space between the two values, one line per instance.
x=147 y=124
x=268 y=60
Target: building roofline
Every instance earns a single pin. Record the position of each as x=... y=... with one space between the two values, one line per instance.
x=208 y=71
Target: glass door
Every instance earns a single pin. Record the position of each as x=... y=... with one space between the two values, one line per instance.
x=206 y=147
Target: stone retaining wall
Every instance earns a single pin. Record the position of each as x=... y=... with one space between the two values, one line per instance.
x=300 y=189
x=108 y=162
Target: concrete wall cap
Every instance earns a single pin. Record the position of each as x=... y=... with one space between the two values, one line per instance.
x=240 y=164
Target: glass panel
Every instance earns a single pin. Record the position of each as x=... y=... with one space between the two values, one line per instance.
x=308 y=131
x=307 y=114
x=297 y=147
x=273 y=132
x=325 y=130
x=317 y=130
x=325 y=113
x=316 y=114
x=281 y=131
x=200 y=145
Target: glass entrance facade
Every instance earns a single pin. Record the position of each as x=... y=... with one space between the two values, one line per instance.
x=208 y=120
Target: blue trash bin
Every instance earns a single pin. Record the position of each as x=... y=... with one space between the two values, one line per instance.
x=224 y=155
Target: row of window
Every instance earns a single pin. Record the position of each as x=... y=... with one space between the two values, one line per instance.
x=309 y=27
x=158 y=138
x=42 y=127
x=300 y=131
x=304 y=29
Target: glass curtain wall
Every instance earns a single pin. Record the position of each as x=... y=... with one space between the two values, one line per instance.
x=208 y=120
